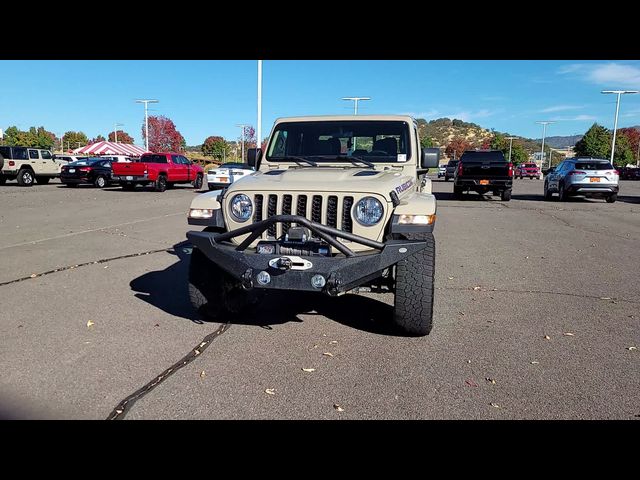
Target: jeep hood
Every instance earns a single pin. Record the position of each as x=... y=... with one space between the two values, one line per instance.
x=327 y=179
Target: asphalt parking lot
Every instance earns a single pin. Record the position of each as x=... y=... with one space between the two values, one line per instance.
x=537 y=311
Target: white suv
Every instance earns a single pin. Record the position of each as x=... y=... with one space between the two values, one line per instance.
x=591 y=177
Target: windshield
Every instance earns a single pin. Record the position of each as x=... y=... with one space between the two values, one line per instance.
x=529 y=165
x=593 y=166
x=373 y=140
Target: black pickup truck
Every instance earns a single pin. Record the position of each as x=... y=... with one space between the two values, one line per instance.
x=483 y=171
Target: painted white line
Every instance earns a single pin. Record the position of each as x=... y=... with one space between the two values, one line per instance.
x=31 y=242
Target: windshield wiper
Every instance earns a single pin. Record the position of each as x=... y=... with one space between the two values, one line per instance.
x=354 y=159
x=300 y=159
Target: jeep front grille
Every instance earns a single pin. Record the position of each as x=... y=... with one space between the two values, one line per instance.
x=331 y=210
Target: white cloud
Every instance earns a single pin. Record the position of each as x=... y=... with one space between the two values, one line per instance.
x=560 y=108
x=577 y=118
x=607 y=74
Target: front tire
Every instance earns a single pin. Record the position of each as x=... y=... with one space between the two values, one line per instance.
x=612 y=198
x=160 y=184
x=562 y=194
x=505 y=195
x=215 y=293
x=413 y=302
x=100 y=181
x=26 y=177
x=197 y=183
x=547 y=193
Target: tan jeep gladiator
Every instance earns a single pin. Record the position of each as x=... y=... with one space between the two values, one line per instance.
x=27 y=165
x=337 y=204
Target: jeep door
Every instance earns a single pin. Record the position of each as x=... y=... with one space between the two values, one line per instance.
x=49 y=165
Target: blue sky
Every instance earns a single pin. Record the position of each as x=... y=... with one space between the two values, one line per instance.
x=210 y=97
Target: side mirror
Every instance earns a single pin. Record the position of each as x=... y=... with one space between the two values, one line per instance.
x=254 y=155
x=430 y=158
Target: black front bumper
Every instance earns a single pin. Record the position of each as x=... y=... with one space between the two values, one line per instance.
x=341 y=272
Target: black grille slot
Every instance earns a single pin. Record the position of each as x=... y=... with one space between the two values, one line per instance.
x=257 y=215
x=316 y=209
x=271 y=211
x=332 y=211
x=347 y=224
x=286 y=210
x=301 y=208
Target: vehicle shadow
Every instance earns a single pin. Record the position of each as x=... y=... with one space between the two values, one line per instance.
x=628 y=199
x=466 y=197
x=168 y=290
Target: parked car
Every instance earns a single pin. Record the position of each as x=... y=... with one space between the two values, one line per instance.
x=484 y=171
x=629 y=173
x=94 y=171
x=442 y=170
x=117 y=158
x=450 y=170
x=226 y=174
x=65 y=159
x=27 y=165
x=530 y=170
x=591 y=177
x=162 y=170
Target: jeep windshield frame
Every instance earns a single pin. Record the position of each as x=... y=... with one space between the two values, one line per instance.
x=341 y=141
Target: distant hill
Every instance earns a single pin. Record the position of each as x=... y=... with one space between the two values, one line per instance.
x=561 y=142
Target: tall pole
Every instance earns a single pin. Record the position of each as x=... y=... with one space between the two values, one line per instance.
x=146 y=119
x=242 y=126
x=615 y=123
x=115 y=130
x=638 y=155
x=510 y=145
x=355 y=100
x=544 y=132
x=259 y=138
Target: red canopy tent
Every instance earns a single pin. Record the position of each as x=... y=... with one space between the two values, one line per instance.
x=111 y=148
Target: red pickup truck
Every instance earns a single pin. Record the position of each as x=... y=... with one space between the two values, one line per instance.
x=530 y=170
x=161 y=170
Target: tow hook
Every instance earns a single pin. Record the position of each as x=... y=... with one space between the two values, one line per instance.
x=247 y=280
x=284 y=263
x=333 y=284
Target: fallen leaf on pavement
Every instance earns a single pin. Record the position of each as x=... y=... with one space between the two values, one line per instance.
x=316 y=346
x=90 y=323
x=338 y=407
x=490 y=380
x=605 y=298
x=461 y=313
x=477 y=288
x=33 y=275
x=203 y=374
x=495 y=405
x=333 y=342
x=118 y=412
x=328 y=354
x=468 y=361
x=270 y=391
x=197 y=352
x=568 y=334
x=450 y=278
x=157 y=325
x=632 y=348
x=535 y=363
x=547 y=337
x=106 y=266
x=308 y=369
x=471 y=383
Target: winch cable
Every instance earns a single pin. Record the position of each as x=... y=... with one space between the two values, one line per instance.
x=125 y=405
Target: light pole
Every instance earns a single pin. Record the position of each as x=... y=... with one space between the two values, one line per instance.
x=510 y=144
x=544 y=131
x=115 y=130
x=615 y=124
x=355 y=105
x=242 y=126
x=146 y=119
x=259 y=138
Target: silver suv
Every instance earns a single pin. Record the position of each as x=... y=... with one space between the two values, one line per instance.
x=591 y=177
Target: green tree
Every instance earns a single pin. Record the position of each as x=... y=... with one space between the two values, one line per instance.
x=215 y=146
x=623 y=153
x=44 y=139
x=595 y=143
x=74 y=140
x=426 y=142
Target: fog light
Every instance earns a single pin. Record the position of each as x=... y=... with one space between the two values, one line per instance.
x=263 y=278
x=318 y=281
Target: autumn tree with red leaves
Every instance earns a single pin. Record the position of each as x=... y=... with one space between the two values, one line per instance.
x=456 y=147
x=163 y=135
x=123 y=137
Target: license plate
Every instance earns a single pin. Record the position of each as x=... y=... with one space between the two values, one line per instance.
x=129 y=177
x=224 y=179
x=72 y=170
x=484 y=182
x=594 y=179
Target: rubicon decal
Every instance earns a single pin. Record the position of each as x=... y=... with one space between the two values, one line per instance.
x=405 y=186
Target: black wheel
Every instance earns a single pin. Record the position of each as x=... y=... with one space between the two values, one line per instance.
x=211 y=187
x=197 y=183
x=3 y=179
x=547 y=193
x=161 y=184
x=505 y=195
x=100 y=181
x=42 y=180
x=128 y=186
x=612 y=198
x=26 y=177
x=457 y=192
x=562 y=194
x=215 y=293
x=446 y=179
x=414 y=282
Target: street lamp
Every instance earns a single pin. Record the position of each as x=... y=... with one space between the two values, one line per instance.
x=259 y=137
x=615 y=124
x=146 y=119
x=544 y=131
x=510 y=144
x=242 y=126
x=115 y=130
x=356 y=99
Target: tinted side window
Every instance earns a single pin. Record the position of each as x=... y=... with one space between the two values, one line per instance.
x=154 y=159
x=46 y=154
x=5 y=152
x=33 y=154
x=20 y=153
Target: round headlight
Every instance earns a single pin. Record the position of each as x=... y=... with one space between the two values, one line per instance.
x=241 y=207
x=368 y=211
